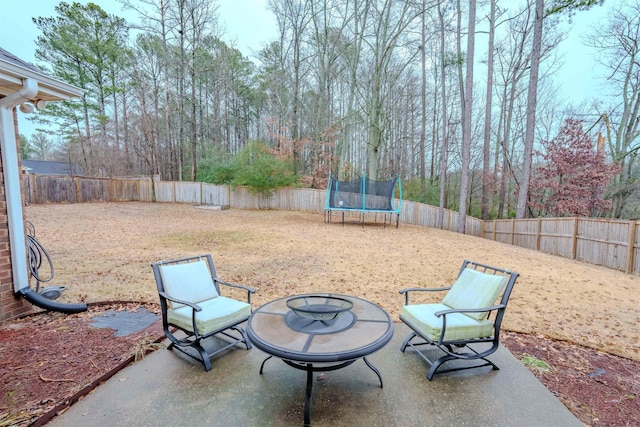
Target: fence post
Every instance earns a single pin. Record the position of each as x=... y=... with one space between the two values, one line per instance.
x=574 y=249
x=78 y=189
x=631 y=246
x=513 y=230
x=34 y=191
x=539 y=236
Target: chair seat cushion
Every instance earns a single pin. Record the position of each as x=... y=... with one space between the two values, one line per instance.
x=421 y=317
x=475 y=289
x=217 y=314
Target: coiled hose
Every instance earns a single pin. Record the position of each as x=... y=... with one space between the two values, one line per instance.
x=37 y=253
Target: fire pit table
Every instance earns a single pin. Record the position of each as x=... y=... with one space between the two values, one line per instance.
x=319 y=332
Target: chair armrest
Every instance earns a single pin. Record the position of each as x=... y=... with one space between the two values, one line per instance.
x=468 y=310
x=166 y=296
x=234 y=285
x=194 y=309
x=443 y=314
x=406 y=292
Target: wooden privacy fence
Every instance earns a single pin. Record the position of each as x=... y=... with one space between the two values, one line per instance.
x=610 y=243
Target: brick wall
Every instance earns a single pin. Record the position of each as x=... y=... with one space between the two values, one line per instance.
x=10 y=305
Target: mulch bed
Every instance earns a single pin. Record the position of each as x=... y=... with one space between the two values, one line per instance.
x=50 y=360
x=600 y=389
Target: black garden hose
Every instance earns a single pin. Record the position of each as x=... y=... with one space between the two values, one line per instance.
x=42 y=302
x=37 y=253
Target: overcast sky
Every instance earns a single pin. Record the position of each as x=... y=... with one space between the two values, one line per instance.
x=249 y=26
x=247 y=22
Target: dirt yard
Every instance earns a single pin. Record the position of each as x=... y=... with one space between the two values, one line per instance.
x=103 y=252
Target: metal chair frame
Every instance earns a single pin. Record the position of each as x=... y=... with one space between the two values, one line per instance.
x=193 y=338
x=460 y=349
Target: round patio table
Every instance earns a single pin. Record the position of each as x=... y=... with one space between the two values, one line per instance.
x=320 y=345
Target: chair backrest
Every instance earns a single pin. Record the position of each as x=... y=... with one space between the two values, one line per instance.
x=188 y=279
x=479 y=286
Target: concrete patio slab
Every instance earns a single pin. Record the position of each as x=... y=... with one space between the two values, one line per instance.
x=167 y=389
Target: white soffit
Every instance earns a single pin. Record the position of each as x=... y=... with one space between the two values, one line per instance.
x=49 y=89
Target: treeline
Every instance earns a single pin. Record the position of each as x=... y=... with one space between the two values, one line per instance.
x=351 y=87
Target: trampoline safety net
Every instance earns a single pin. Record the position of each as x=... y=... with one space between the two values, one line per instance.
x=361 y=194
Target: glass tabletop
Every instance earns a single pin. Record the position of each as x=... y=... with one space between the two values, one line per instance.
x=278 y=331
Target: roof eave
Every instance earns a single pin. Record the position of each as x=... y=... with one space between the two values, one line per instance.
x=49 y=88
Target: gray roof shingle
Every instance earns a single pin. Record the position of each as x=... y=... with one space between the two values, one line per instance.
x=10 y=57
x=44 y=167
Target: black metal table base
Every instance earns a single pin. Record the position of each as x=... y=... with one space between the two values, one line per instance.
x=310 y=368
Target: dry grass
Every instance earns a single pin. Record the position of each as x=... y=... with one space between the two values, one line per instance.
x=103 y=252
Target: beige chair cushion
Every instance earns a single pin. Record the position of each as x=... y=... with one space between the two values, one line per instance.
x=475 y=289
x=459 y=326
x=217 y=314
x=189 y=282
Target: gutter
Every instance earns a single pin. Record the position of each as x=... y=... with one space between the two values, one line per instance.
x=9 y=148
x=48 y=87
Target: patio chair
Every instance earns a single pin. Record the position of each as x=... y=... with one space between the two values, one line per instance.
x=466 y=324
x=191 y=302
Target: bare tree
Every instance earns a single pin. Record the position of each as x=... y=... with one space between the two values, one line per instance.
x=619 y=52
x=423 y=100
x=532 y=102
x=466 y=118
x=389 y=23
x=445 y=128
x=486 y=152
x=532 y=94
x=359 y=17
x=41 y=145
x=293 y=18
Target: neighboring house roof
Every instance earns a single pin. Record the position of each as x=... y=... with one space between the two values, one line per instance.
x=43 y=167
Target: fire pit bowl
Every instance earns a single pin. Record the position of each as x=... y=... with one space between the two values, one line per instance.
x=319 y=307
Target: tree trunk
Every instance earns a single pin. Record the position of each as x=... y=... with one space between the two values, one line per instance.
x=445 y=128
x=466 y=119
x=194 y=123
x=181 y=90
x=346 y=135
x=173 y=164
x=532 y=101
x=423 y=103
x=486 y=153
